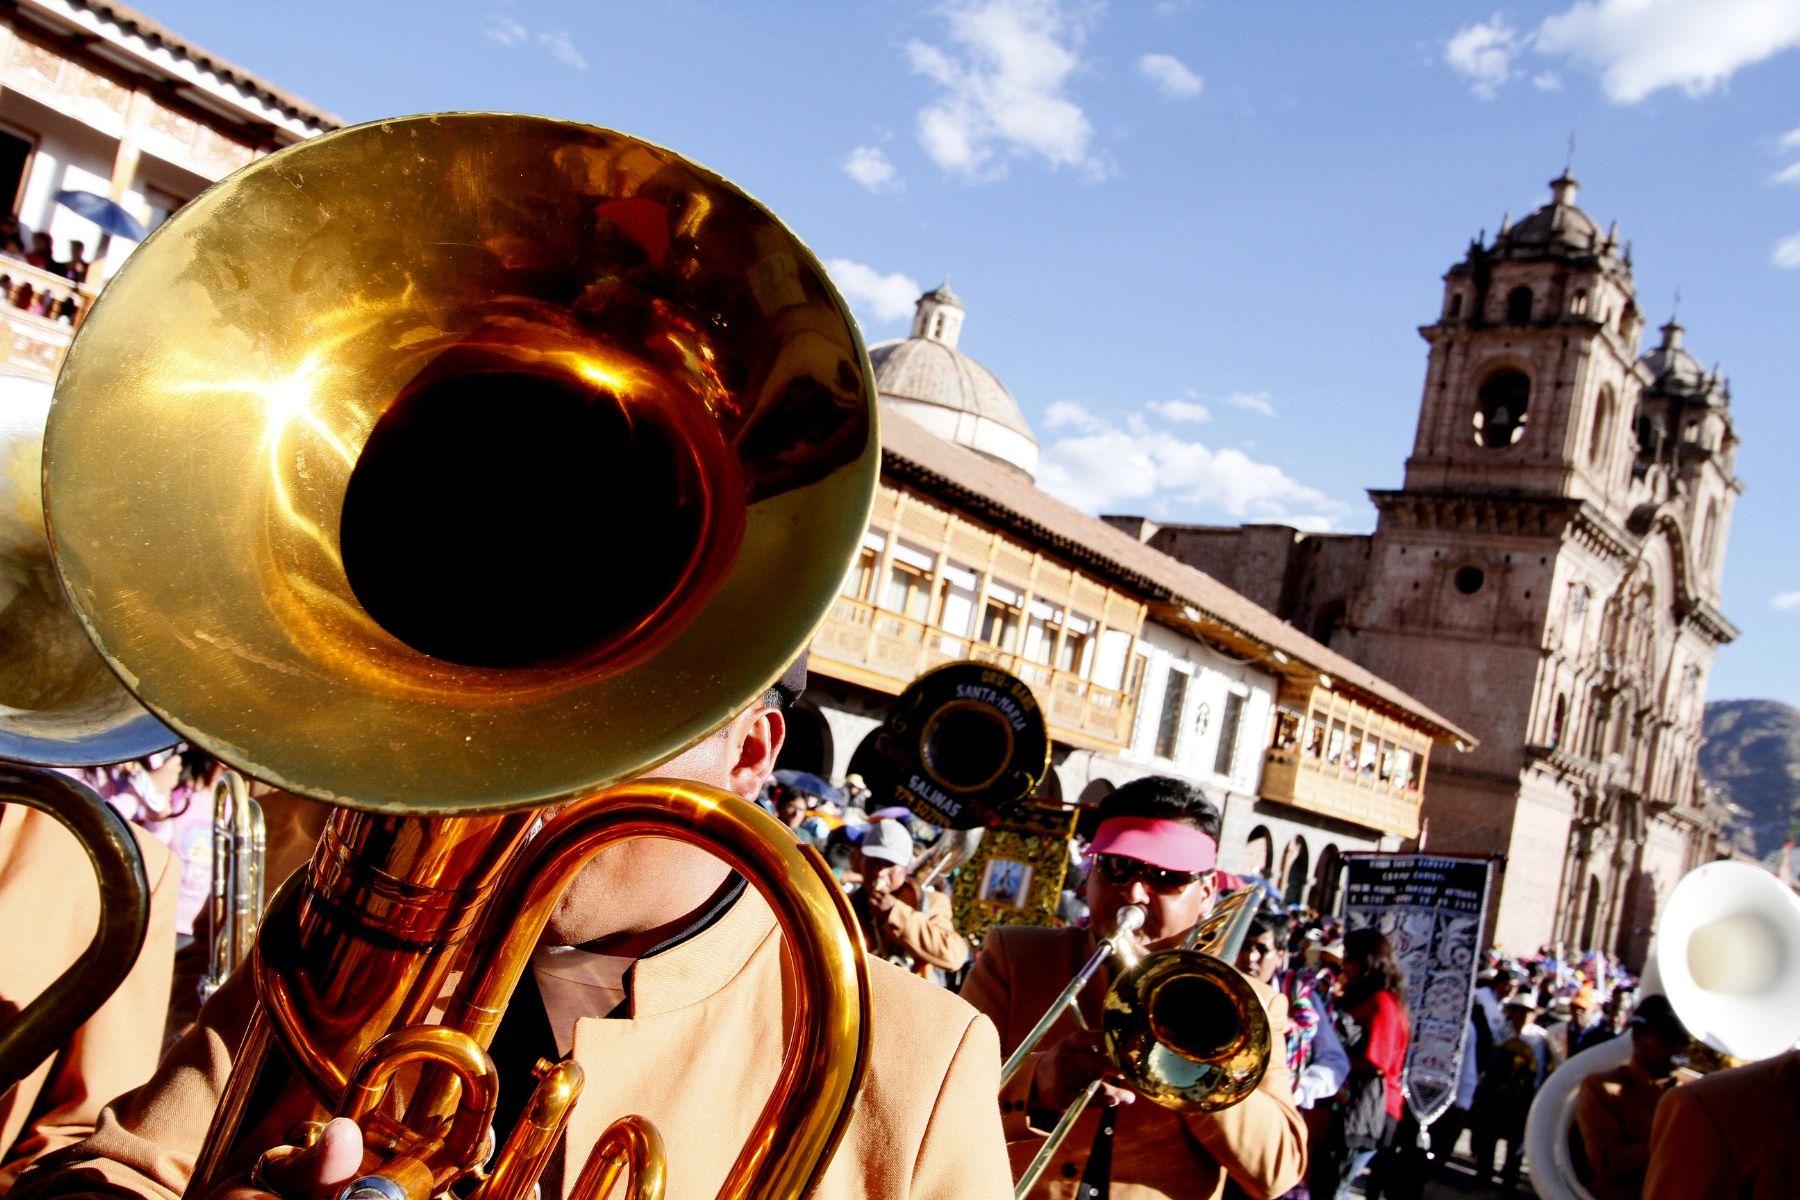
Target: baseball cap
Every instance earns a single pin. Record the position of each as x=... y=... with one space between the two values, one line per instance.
x=887 y=841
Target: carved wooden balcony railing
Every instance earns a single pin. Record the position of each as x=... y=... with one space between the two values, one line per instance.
x=887 y=651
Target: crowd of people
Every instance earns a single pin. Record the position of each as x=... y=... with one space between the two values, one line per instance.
x=936 y=1119
x=38 y=250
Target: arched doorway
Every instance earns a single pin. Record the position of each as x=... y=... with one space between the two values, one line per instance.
x=1330 y=876
x=1096 y=791
x=1259 y=852
x=1299 y=864
x=809 y=744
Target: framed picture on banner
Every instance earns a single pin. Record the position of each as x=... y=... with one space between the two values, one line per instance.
x=1016 y=875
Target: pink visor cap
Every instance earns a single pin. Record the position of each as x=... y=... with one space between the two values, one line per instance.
x=1171 y=845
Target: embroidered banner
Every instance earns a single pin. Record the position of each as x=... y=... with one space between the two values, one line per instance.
x=1432 y=909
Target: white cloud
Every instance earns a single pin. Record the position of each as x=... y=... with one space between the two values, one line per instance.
x=1102 y=465
x=886 y=297
x=562 y=47
x=872 y=169
x=1547 y=81
x=1787 y=252
x=1791 y=140
x=1788 y=174
x=1170 y=76
x=1181 y=410
x=1485 y=52
x=1003 y=79
x=1786 y=602
x=1642 y=46
x=1256 y=402
x=509 y=32
x=1066 y=414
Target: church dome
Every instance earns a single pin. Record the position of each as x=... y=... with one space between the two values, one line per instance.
x=928 y=380
x=1670 y=364
x=1556 y=228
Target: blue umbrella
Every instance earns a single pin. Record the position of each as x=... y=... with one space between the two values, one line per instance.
x=107 y=214
x=812 y=785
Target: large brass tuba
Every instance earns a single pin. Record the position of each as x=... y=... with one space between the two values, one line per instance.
x=60 y=706
x=1726 y=953
x=504 y=458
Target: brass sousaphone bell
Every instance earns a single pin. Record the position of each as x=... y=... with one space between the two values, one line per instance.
x=60 y=706
x=477 y=462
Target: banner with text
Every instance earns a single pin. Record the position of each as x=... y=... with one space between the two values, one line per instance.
x=1433 y=909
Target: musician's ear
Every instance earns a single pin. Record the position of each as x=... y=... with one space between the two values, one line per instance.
x=754 y=741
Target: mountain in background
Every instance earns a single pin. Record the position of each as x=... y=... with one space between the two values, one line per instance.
x=1752 y=755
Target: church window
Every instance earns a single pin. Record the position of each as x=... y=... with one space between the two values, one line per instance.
x=1578 y=602
x=1603 y=412
x=1556 y=722
x=1709 y=534
x=1579 y=305
x=1168 y=726
x=1329 y=623
x=1225 y=756
x=1518 y=306
x=1455 y=305
x=1468 y=580
x=1500 y=409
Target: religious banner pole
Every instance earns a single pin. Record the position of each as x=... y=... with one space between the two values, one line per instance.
x=1432 y=909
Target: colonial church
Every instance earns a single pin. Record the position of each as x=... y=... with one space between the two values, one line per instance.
x=1546 y=576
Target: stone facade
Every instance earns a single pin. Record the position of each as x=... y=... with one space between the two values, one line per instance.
x=1547 y=576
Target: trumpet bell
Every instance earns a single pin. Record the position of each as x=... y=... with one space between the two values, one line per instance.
x=60 y=705
x=471 y=444
x=1187 y=1031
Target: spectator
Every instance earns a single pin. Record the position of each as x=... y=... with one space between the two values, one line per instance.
x=1508 y=1085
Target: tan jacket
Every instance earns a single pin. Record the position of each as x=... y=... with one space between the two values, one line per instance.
x=924 y=934
x=1735 y=1133
x=1156 y=1152
x=49 y=908
x=697 y=1056
x=1614 y=1111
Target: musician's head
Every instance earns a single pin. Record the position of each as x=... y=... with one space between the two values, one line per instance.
x=1265 y=949
x=883 y=856
x=1156 y=846
x=632 y=894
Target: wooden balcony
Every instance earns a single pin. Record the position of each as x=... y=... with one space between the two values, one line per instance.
x=40 y=311
x=886 y=651
x=1339 y=791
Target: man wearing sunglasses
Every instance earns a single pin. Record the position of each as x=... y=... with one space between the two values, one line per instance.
x=1156 y=847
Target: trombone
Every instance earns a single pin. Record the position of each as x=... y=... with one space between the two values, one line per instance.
x=1182 y=1026
x=239 y=851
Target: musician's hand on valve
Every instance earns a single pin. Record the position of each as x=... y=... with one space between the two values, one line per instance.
x=1069 y=1066
x=316 y=1172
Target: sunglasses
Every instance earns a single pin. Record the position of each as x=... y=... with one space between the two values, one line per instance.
x=1119 y=871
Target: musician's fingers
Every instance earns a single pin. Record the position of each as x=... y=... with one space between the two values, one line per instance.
x=318 y=1171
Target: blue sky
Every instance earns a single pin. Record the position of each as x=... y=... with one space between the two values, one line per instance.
x=1195 y=239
